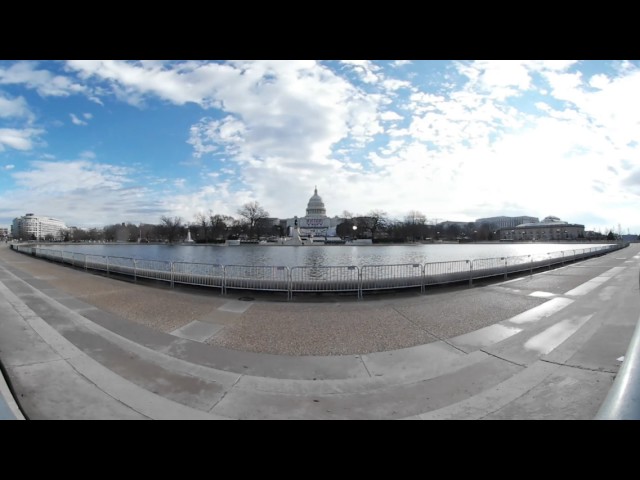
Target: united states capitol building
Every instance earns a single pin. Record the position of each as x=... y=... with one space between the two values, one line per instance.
x=315 y=223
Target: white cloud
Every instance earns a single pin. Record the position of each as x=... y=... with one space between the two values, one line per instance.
x=18 y=139
x=43 y=81
x=88 y=116
x=395 y=84
x=390 y=116
x=400 y=63
x=614 y=105
x=69 y=176
x=365 y=69
x=87 y=155
x=285 y=118
x=76 y=121
x=16 y=107
x=81 y=193
x=9 y=167
x=497 y=79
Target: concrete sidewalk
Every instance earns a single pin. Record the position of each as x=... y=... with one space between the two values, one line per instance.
x=77 y=345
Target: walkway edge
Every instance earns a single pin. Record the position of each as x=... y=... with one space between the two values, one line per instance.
x=6 y=398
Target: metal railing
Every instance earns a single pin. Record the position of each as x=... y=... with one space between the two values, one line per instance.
x=388 y=277
x=200 y=274
x=437 y=273
x=315 y=279
x=252 y=277
x=325 y=279
x=623 y=399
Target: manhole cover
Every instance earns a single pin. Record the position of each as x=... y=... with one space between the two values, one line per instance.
x=246 y=299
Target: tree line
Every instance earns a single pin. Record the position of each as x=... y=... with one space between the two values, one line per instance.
x=253 y=223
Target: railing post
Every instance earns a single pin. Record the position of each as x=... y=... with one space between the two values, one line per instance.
x=224 y=279
x=505 y=266
x=423 y=279
x=360 y=295
x=107 y=257
x=135 y=278
x=172 y=284
x=470 y=262
x=289 y=292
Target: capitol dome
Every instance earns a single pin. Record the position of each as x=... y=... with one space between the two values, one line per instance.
x=315 y=207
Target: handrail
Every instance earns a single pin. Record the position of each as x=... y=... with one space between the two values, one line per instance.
x=623 y=399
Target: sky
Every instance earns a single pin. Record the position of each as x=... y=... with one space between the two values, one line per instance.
x=97 y=142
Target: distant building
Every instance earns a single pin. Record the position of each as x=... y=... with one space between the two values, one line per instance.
x=4 y=232
x=448 y=224
x=550 y=228
x=315 y=223
x=506 y=222
x=36 y=227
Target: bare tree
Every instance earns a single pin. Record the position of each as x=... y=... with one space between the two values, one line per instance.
x=203 y=221
x=252 y=212
x=415 y=223
x=171 y=227
x=376 y=221
x=220 y=225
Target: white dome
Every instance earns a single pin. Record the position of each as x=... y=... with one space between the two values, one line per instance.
x=315 y=207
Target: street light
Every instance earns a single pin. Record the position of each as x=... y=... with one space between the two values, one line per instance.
x=355 y=227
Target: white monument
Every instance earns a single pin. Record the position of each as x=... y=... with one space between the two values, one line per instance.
x=315 y=223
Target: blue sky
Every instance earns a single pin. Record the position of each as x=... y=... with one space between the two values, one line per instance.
x=100 y=142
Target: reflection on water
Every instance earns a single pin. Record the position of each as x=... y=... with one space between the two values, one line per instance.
x=321 y=255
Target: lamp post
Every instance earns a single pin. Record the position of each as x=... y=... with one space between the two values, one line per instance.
x=355 y=227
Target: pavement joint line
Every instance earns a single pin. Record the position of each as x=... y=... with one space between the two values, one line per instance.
x=421 y=327
x=579 y=367
x=503 y=359
x=365 y=366
x=224 y=394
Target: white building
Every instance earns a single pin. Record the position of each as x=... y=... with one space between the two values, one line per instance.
x=36 y=227
x=315 y=223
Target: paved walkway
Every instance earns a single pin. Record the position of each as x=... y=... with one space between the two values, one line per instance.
x=77 y=345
